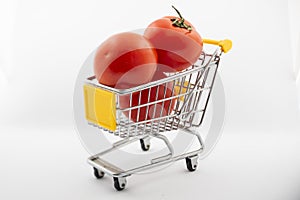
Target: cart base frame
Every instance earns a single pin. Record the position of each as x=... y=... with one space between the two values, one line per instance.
x=119 y=175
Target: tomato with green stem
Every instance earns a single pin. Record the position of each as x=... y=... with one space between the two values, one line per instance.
x=177 y=43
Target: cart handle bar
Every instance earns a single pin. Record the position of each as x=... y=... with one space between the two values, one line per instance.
x=224 y=44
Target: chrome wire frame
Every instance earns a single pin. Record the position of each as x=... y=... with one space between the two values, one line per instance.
x=190 y=89
x=115 y=171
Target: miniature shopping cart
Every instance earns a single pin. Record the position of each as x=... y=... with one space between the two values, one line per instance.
x=190 y=88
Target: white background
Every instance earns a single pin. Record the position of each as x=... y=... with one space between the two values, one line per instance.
x=44 y=43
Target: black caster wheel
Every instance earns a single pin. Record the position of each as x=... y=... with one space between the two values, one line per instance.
x=145 y=144
x=191 y=163
x=119 y=183
x=97 y=173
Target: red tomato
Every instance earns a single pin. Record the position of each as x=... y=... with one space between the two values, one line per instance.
x=127 y=56
x=162 y=91
x=178 y=44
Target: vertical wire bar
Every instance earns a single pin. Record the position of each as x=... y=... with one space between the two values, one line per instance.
x=163 y=104
x=205 y=75
x=198 y=93
x=118 y=114
x=154 y=112
x=129 y=115
x=178 y=99
x=170 y=105
x=147 y=108
x=138 y=111
x=188 y=89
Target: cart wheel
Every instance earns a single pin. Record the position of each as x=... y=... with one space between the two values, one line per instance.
x=119 y=183
x=145 y=143
x=191 y=163
x=98 y=174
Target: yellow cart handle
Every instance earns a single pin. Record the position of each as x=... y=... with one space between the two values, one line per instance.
x=224 y=44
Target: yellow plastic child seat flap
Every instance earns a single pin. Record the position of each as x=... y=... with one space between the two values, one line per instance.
x=100 y=107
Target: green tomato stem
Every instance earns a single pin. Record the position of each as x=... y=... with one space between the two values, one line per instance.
x=180 y=23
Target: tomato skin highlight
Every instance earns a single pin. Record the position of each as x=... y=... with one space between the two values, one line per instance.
x=176 y=47
x=155 y=93
x=127 y=56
